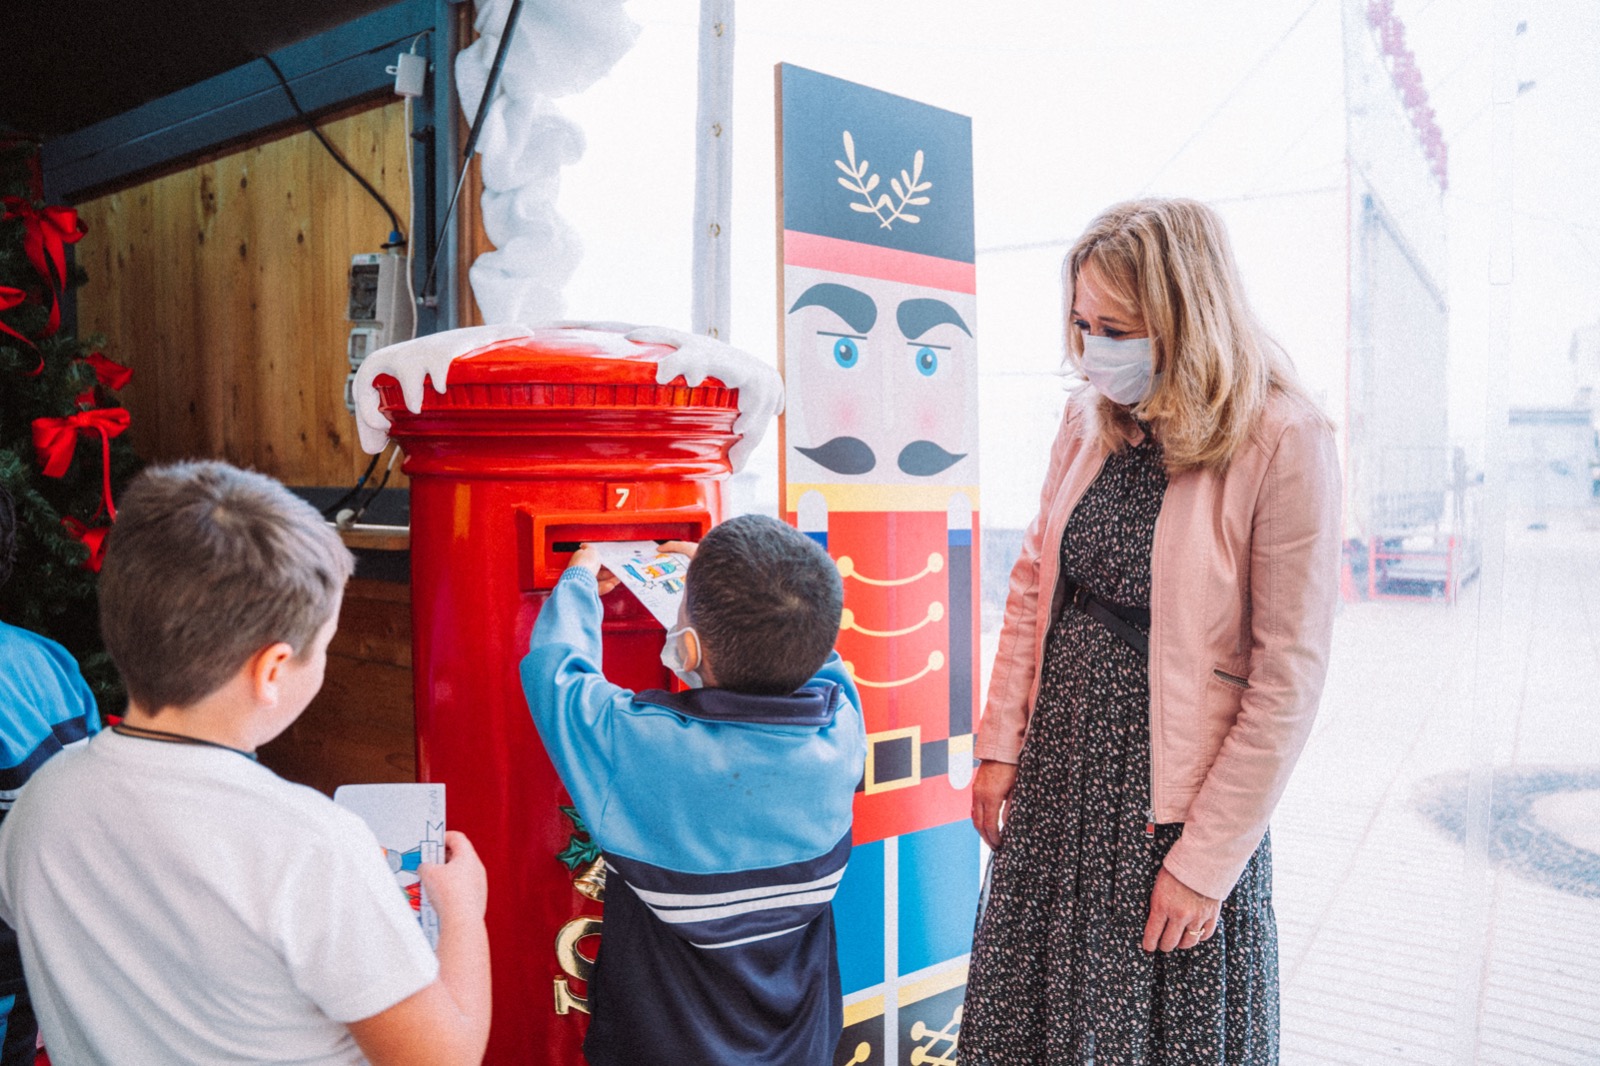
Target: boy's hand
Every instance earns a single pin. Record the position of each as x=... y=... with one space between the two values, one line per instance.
x=459 y=886
x=679 y=547
x=589 y=559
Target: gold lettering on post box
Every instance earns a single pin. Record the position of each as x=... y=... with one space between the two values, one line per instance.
x=574 y=963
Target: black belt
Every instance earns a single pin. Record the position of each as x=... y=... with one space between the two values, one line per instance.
x=1129 y=623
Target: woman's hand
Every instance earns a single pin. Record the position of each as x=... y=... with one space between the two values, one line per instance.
x=991 y=793
x=1179 y=916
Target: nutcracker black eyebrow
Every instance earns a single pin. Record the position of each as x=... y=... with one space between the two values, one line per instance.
x=918 y=316
x=855 y=307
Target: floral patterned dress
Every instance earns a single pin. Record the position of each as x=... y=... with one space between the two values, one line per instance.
x=1058 y=975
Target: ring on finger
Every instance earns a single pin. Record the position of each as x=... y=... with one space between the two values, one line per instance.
x=1196 y=933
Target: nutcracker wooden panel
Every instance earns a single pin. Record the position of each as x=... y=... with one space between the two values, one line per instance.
x=879 y=463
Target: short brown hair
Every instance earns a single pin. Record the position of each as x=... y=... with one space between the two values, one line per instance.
x=206 y=565
x=766 y=600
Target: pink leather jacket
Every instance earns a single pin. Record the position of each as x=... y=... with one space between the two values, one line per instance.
x=1244 y=580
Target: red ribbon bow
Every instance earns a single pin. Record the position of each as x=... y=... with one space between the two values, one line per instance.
x=46 y=232
x=10 y=298
x=112 y=375
x=91 y=537
x=56 y=439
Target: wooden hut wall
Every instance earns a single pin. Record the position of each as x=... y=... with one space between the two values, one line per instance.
x=224 y=285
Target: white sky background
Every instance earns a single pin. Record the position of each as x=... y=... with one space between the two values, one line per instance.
x=1078 y=105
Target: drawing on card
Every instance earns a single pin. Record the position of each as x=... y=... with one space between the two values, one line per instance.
x=654 y=576
x=409 y=822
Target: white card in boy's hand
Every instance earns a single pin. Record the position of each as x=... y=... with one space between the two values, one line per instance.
x=655 y=576
x=408 y=820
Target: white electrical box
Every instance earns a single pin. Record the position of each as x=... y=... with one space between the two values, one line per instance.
x=380 y=310
x=364 y=340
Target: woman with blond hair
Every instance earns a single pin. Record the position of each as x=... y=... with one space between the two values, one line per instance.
x=1163 y=652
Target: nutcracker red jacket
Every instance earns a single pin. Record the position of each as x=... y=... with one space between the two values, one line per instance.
x=1244 y=581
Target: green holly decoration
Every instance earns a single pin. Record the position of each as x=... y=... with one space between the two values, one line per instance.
x=578 y=852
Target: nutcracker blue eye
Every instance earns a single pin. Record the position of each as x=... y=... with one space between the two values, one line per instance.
x=846 y=353
x=927 y=361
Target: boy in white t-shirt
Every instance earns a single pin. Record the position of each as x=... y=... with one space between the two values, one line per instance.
x=175 y=901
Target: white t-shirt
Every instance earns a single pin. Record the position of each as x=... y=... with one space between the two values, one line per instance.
x=182 y=904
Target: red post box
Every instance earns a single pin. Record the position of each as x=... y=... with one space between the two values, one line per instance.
x=537 y=444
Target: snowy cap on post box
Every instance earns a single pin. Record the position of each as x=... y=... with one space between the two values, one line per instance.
x=691 y=357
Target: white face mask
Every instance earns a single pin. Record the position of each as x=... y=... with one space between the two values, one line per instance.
x=677 y=656
x=1122 y=369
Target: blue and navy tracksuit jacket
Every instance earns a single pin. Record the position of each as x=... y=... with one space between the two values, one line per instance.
x=724 y=820
x=44 y=705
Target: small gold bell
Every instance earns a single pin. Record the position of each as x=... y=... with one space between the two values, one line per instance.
x=592 y=882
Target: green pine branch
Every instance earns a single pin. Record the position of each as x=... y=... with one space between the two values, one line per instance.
x=51 y=591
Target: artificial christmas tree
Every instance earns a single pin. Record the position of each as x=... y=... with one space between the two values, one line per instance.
x=63 y=449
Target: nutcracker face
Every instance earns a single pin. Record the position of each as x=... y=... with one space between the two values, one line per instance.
x=881 y=380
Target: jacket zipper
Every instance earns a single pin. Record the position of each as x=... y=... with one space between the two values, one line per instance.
x=1150 y=811
x=1231 y=679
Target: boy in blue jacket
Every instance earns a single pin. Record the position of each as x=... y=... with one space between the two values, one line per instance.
x=723 y=812
x=45 y=704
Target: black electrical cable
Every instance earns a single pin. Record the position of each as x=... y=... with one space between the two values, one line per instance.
x=372 y=494
x=332 y=509
x=489 y=88
x=394 y=219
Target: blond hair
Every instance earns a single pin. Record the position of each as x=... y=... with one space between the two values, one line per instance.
x=206 y=565
x=1170 y=260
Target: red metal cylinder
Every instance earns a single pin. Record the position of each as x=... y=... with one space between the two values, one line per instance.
x=537 y=444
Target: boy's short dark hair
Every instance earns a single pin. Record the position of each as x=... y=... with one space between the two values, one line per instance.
x=8 y=534
x=766 y=601
x=206 y=565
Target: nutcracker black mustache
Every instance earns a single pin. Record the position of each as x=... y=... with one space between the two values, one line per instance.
x=852 y=455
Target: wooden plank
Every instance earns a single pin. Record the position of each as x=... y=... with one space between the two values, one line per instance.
x=267 y=190
x=233 y=335
x=359 y=729
x=376 y=537
x=176 y=205
x=208 y=364
x=374 y=629
x=333 y=428
x=368 y=588
x=471 y=240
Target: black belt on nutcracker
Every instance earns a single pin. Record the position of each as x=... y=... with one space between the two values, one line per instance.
x=1130 y=624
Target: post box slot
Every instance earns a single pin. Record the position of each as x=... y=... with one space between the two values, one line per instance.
x=548 y=540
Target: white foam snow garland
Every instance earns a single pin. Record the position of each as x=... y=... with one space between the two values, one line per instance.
x=416 y=363
x=559 y=47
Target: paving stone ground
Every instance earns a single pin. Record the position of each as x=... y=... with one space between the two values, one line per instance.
x=1389 y=955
